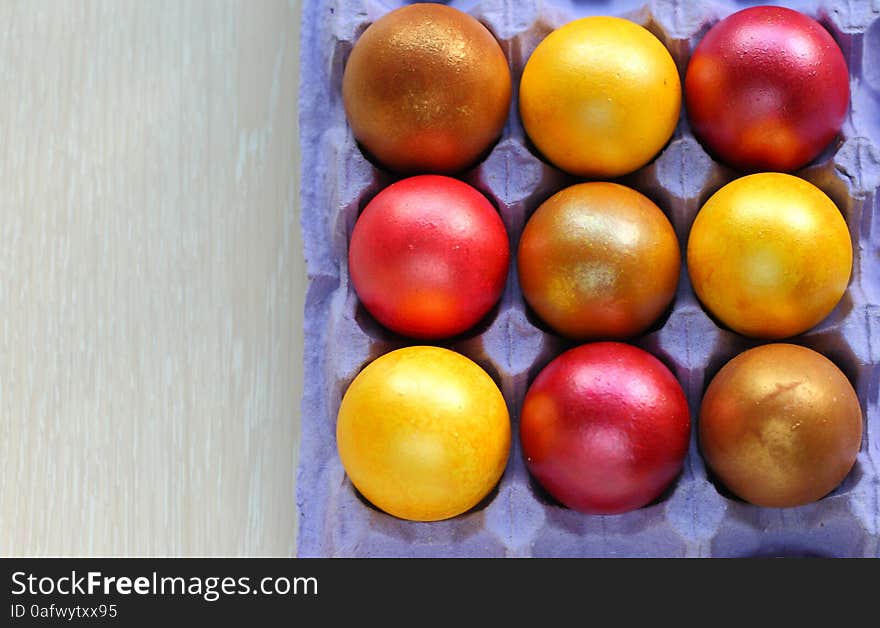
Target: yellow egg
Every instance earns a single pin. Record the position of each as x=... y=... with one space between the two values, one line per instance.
x=423 y=433
x=769 y=255
x=600 y=97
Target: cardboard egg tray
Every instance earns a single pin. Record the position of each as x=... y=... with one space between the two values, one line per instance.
x=696 y=516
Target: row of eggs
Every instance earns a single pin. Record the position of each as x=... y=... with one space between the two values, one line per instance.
x=769 y=255
x=427 y=88
x=424 y=433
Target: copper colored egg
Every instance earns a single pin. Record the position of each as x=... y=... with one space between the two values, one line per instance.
x=780 y=425
x=598 y=260
x=426 y=89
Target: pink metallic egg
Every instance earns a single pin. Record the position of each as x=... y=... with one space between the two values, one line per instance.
x=605 y=428
x=767 y=89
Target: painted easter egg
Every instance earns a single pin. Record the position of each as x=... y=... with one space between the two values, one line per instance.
x=598 y=260
x=605 y=428
x=767 y=89
x=426 y=89
x=769 y=255
x=780 y=425
x=600 y=97
x=429 y=256
x=423 y=433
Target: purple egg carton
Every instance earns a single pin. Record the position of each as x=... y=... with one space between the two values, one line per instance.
x=696 y=516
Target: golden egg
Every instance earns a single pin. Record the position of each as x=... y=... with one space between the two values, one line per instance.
x=769 y=255
x=598 y=260
x=780 y=425
x=426 y=89
x=600 y=96
x=423 y=433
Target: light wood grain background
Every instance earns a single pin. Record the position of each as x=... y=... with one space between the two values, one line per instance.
x=151 y=277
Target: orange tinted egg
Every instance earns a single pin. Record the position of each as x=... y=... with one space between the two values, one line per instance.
x=600 y=96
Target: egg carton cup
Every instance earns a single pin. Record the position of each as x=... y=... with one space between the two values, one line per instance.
x=696 y=516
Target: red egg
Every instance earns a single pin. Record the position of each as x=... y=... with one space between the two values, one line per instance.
x=429 y=257
x=767 y=89
x=605 y=428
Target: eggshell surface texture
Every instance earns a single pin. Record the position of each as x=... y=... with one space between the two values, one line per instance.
x=426 y=89
x=767 y=88
x=605 y=428
x=769 y=255
x=780 y=425
x=429 y=256
x=423 y=433
x=598 y=260
x=600 y=96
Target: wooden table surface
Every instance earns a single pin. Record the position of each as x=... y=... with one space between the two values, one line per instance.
x=151 y=277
